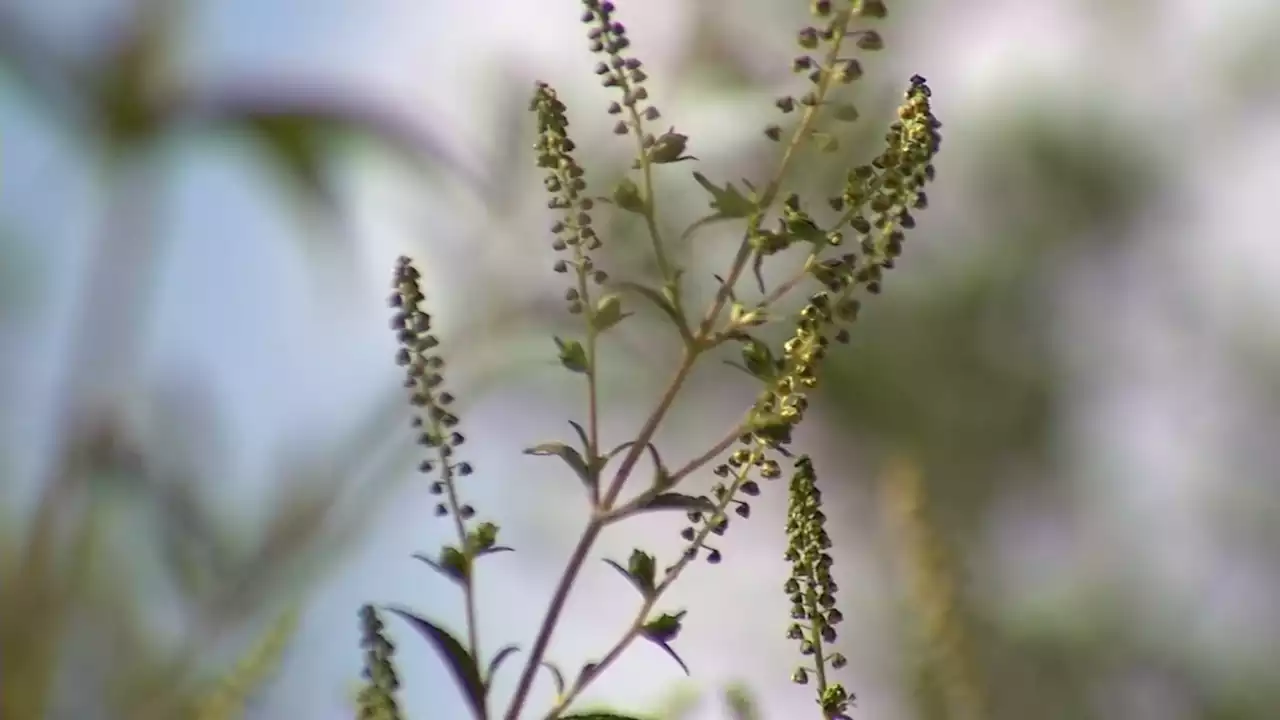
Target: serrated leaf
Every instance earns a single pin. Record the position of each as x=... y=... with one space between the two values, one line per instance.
x=460 y=663
x=506 y=652
x=726 y=201
x=608 y=313
x=573 y=356
x=571 y=457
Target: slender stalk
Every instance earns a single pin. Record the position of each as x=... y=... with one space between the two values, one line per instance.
x=745 y=251
x=469 y=583
x=646 y=608
x=681 y=473
x=589 y=536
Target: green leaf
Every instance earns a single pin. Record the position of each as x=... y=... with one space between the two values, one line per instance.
x=664 y=628
x=759 y=360
x=506 y=652
x=673 y=501
x=626 y=195
x=600 y=716
x=667 y=307
x=452 y=564
x=641 y=566
x=608 y=313
x=639 y=572
x=573 y=356
x=461 y=664
x=661 y=631
x=572 y=457
x=482 y=538
x=726 y=201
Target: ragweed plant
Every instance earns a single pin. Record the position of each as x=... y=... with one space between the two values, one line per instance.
x=848 y=249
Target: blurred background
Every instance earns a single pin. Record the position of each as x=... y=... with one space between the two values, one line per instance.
x=203 y=441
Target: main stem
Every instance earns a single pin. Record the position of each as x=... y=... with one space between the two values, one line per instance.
x=592 y=532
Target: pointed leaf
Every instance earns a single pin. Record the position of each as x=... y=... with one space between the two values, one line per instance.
x=700 y=223
x=557 y=677
x=573 y=356
x=672 y=501
x=642 y=567
x=452 y=564
x=614 y=452
x=623 y=571
x=582 y=434
x=506 y=652
x=662 y=303
x=571 y=457
x=640 y=572
x=494 y=549
x=460 y=663
x=664 y=628
x=727 y=201
x=674 y=656
x=608 y=313
x=661 y=476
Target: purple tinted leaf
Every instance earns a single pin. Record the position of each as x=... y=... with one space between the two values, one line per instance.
x=460 y=663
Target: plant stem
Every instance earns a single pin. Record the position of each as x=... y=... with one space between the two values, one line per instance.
x=642 y=614
x=596 y=524
x=745 y=250
x=684 y=471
